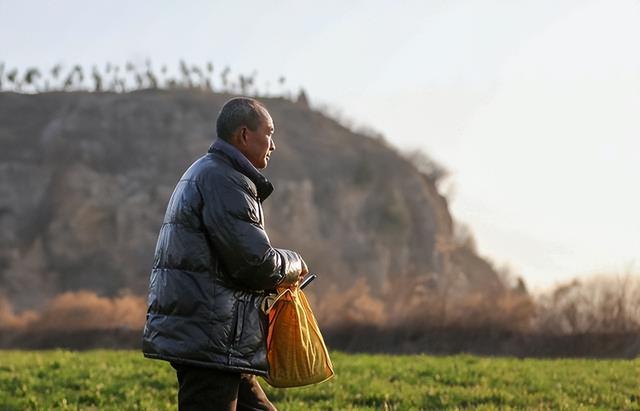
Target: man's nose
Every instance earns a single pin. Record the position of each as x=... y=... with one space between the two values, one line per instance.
x=272 y=146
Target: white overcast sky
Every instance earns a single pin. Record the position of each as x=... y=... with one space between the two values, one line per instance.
x=533 y=105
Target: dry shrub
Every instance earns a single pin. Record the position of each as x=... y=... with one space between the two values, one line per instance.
x=355 y=306
x=597 y=317
x=509 y=311
x=601 y=304
x=12 y=321
x=81 y=310
x=420 y=309
x=84 y=310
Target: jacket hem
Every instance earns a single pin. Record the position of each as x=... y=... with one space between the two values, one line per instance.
x=207 y=364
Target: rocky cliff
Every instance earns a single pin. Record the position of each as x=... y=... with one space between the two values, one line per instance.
x=85 y=178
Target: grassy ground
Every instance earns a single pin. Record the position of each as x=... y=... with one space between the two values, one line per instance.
x=124 y=380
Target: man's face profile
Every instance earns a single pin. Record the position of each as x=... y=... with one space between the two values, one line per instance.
x=258 y=144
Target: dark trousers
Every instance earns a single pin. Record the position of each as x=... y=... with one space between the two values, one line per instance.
x=210 y=389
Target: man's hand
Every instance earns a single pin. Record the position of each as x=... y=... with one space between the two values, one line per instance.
x=294 y=279
x=304 y=271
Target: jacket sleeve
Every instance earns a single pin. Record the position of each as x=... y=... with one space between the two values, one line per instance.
x=232 y=223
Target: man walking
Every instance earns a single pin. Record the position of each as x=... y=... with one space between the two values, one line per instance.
x=213 y=265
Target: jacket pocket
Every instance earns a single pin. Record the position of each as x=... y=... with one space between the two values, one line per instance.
x=253 y=329
x=238 y=324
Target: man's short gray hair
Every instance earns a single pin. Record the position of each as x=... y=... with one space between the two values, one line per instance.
x=238 y=112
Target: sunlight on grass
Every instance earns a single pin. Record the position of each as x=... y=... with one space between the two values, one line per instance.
x=124 y=380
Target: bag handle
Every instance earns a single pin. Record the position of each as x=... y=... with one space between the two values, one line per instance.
x=270 y=300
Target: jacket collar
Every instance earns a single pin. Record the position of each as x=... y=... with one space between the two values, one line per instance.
x=240 y=163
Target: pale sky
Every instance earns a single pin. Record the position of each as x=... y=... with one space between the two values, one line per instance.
x=533 y=105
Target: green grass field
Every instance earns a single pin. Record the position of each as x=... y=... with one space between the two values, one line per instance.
x=124 y=380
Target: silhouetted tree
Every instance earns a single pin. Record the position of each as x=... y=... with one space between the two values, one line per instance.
x=243 y=84
x=251 y=82
x=119 y=79
x=199 y=76
x=302 y=99
x=139 y=81
x=55 y=72
x=152 y=79
x=186 y=74
x=31 y=76
x=209 y=76
x=430 y=168
x=12 y=76
x=521 y=286
x=163 y=72
x=97 y=79
x=281 y=81
x=75 y=75
x=130 y=69
x=80 y=75
x=224 y=77
x=68 y=82
x=116 y=79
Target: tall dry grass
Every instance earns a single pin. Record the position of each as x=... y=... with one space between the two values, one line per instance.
x=600 y=304
x=81 y=310
x=599 y=316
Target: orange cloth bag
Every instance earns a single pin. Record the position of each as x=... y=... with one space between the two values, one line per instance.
x=296 y=352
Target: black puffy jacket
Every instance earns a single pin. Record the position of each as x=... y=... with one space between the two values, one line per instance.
x=213 y=264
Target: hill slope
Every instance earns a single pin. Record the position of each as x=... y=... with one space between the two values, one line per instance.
x=85 y=179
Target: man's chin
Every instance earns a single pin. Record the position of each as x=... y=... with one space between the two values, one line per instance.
x=260 y=165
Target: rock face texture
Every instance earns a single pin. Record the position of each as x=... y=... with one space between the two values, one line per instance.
x=85 y=179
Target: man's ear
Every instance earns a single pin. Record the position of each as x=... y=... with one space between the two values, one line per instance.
x=243 y=135
x=239 y=136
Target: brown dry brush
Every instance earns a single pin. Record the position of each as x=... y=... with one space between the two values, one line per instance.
x=599 y=305
x=414 y=319
x=75 y=320
x=599 y=317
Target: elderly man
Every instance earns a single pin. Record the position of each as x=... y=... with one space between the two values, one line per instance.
x=213 y=266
